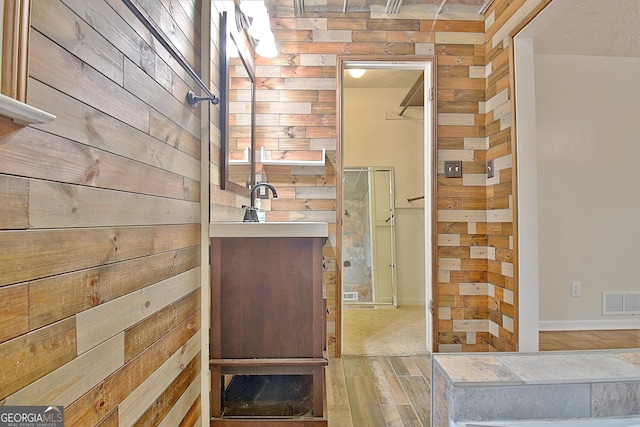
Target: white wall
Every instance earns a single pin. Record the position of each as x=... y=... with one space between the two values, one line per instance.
x=372 y=140
x=588 y=153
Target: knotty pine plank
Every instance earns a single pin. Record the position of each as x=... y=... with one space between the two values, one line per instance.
x=55 y=205
x=131 y=38
x=131 y=308
x=111 y=420
x=166 y=23
x=54 y=298
x=164 y=58
x=68 y=383
x=395 y=49
x=185 y=412
x=452 y=26
x=193 y=415
x=35 y=254
x=14 y=311
x=45 y=155
x=55 y=67
x=142 y=334
x=33 y=355
x=302 y=204
x=155 y=96
x=64 y=27
x=166 y=131
x=159 y=408
x=14 y=193
x=170 y=237
x=96 y=404
x=174 y=151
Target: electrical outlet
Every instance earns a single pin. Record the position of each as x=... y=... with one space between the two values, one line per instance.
x=576 y=287
x=263 y=193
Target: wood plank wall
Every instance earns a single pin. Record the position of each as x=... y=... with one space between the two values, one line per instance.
x=100 y=219
x=475 y=230
x=502 y=18
x=296 y=91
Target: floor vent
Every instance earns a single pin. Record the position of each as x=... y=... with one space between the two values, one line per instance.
x=620 y=303
x=349 y=296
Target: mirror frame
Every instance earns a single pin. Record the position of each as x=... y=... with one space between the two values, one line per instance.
x=227 y=37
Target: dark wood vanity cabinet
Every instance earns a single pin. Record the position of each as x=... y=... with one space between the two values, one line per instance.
x=267 y=326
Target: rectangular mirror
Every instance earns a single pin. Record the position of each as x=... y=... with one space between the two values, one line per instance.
x=237 y=109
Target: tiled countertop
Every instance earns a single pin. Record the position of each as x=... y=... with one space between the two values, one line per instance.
x=465 y=370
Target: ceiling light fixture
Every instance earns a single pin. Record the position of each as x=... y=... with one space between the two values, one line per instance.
x=260 y=28
x=356 y=73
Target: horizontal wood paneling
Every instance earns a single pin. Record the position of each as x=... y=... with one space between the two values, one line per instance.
x=71 y=381
x=100 y=258
x=14 y=210
x=99 y=401
x=472 y=125
x=30 y=356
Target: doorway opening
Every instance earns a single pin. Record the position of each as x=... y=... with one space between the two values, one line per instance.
x=386 y=137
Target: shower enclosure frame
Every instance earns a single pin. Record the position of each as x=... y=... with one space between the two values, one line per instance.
x=374 y=224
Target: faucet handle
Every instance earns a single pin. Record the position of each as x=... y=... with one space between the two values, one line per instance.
x=250 y=214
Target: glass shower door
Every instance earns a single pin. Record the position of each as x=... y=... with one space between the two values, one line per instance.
x=368 y=241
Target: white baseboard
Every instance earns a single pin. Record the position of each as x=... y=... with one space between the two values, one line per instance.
x=588 y=325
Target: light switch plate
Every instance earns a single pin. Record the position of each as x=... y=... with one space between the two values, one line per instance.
x=453 y=168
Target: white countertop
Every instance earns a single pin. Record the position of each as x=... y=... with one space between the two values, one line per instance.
x=268 y=229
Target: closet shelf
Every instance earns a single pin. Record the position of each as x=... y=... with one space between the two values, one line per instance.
x=265 y=161
x=244 y=160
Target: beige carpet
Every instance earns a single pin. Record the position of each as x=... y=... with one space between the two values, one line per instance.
x=384 y=331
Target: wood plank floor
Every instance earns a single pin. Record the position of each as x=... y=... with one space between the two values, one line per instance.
x=395 y=391
x=379 y=391
x=589 y=340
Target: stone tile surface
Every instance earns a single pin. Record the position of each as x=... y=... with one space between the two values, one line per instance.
x=615 y=399
x=474 y=369
x=521 y=402
x=565 y=367
x=631 y=357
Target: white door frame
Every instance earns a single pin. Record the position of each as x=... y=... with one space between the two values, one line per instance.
x=428 y=64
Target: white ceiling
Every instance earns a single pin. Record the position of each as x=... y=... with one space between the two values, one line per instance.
x=589 y=27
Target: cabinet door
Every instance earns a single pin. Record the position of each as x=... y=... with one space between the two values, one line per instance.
x=268 y=298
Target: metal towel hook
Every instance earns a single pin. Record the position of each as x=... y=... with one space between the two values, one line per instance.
x=193 y=99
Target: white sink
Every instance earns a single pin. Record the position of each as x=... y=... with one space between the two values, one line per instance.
x=268 y=229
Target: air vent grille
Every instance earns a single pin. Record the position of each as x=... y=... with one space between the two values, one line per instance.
x=350 y=296
x=620 y=303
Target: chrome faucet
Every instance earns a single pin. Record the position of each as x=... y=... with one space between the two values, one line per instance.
x=250 y=213
x=258 y=185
